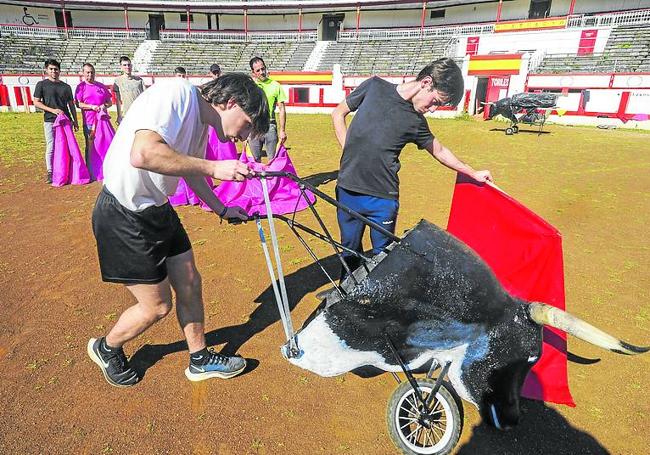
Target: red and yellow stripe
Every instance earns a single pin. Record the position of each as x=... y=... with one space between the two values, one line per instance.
x=494 y=65
x=303 y=77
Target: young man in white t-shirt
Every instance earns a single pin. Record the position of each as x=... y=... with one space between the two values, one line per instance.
x=140 y=240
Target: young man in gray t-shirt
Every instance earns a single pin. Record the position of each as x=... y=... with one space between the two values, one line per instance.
x=127 y=88
x=389 y=116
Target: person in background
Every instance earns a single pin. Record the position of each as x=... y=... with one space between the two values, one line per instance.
x=127 y=88
x=215 y=71
x=276 y=97
x=179 y=71
x=53 y=97
x=91 y=97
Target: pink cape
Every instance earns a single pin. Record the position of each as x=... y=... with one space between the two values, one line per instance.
x=525 y=253
x=215 y=150
x=104 y=134
x=67 y=164
x=284 y=193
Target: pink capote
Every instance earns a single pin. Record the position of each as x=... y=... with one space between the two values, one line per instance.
x=215 y=150
x=67 y=164
x=284 y=193
x=104 y=134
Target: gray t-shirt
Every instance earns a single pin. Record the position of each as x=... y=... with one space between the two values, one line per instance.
x=129 y=88
x=383 y=124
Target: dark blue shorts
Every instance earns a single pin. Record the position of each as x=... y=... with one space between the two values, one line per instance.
x=381 y=211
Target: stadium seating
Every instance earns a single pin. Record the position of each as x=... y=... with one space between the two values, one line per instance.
x=383 y=57
x=196 y=57
x=627 y=50
x=27 y=55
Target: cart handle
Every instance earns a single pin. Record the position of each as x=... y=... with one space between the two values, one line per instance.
x=331 y=200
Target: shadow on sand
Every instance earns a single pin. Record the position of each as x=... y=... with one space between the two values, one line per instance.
x=537 y=132
x=300 y=283
x=541 y=430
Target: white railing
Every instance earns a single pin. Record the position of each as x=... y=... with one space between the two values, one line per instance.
x=29 y=31
x=414 y=33
x=608 y=20
x=106 y=33
x=178 y=35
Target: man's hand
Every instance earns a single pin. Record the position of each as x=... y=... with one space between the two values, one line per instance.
x=482 y=176
x=75 y=126
x=230 y=170
x=97 y=108
x=282 y=136
x=235 y=213
x=57 y=112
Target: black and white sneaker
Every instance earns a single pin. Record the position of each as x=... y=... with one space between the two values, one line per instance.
x=214 y=365
x=113 y=363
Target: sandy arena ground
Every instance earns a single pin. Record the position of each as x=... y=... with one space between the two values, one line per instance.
x=593 y=185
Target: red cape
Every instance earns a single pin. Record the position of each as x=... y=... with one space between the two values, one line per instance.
x=525 y=253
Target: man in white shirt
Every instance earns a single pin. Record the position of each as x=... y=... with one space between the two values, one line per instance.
x=141 y=242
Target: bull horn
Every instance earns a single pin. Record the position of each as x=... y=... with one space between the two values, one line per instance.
x=544 y=314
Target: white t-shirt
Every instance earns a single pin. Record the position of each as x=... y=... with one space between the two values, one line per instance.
x=171 y=109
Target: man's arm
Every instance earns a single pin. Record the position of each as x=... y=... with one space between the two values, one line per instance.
x=152 y=153
x=203 y=191
x=73 y=114
x=282 y=134
x=39 y=104
x=118 y=102
x=447 y=158
x=338 y=119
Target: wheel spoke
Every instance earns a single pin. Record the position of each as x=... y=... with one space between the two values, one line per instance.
x=429 y=435
x=409 y=411
x=408 y=436
x=412 y=401
x=408 y=424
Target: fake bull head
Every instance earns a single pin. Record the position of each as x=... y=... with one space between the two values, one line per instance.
x=436 y=299
x=502 y=107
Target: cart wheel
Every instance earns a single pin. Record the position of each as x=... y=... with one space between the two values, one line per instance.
x=410 y=433
x=509 y=131
x=515 y=129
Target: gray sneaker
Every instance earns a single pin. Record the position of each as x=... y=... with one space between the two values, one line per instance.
x=215 y=365
x=114 y=365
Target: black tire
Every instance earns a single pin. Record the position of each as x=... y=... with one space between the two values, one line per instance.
x=410 y=436
x=509 y=131
x=515 y=129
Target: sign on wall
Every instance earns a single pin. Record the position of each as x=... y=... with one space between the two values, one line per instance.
x=533 y=24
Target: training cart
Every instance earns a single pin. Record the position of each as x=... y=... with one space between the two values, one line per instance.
x=423 y=413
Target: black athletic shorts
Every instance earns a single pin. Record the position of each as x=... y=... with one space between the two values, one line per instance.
x=133 y=246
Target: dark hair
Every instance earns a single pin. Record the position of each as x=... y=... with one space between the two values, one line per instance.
x=179 y=70
x=254 y=60
x=240 y=88
x=88 y=64
x=447 y=79
x=215 y=69
x=53 y=62
x=124 y=58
